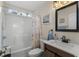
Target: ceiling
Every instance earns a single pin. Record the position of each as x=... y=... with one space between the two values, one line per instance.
x=29 y=5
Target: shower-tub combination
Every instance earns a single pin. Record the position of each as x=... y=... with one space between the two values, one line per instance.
x=18 y=30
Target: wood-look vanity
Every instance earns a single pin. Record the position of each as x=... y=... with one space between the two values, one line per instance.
x=51 y=51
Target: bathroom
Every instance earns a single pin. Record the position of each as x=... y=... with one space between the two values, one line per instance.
x=23 y=28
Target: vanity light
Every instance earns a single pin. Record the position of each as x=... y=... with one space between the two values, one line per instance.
x=59 y=4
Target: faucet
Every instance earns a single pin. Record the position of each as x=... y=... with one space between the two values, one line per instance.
x=64 y=39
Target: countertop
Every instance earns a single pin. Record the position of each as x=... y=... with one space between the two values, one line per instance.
x=67 y=47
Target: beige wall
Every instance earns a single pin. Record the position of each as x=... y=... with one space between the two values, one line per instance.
x=73 y=36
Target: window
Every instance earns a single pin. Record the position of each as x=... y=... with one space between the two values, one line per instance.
x=13 y=11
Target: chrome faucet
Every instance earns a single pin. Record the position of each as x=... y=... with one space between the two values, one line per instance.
x=65 y=40
x=63 y=37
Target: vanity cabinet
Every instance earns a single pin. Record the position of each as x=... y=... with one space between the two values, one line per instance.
x=50 y=51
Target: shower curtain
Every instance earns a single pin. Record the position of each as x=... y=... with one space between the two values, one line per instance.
x=36 y=32
x=17 y=31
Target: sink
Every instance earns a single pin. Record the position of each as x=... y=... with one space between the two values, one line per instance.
x=51 y=41
x=54 y=41
x=61 y=44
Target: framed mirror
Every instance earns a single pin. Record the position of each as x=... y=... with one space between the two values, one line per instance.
x=67 y=18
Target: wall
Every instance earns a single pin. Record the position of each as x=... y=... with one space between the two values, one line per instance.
x=44 y=27
x=1 y=4
x=73 y=36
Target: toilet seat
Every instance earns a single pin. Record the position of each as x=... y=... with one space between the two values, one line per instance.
x=35 y=52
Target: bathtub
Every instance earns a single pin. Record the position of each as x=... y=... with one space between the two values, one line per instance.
x=21 y=52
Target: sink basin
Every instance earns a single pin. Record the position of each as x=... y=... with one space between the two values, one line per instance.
x=54 y=41
x=51 y=41
x=60 y=43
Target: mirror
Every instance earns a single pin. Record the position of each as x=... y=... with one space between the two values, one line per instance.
x=67 y=18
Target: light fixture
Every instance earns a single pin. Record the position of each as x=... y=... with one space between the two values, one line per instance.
x=59 y=4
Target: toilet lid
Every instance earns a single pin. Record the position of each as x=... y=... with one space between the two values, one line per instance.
x=35 y=51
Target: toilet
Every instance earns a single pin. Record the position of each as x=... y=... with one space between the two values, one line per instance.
x=37 y=52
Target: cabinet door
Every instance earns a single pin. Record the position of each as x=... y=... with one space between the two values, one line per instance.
x=48 y=54
x=57 y=55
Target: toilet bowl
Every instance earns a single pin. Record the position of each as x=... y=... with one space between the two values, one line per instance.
x=37 y=52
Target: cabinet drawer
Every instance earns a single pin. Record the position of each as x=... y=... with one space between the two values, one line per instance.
x=58 y=51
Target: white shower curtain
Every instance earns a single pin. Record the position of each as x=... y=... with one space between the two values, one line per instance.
x=36 y=32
